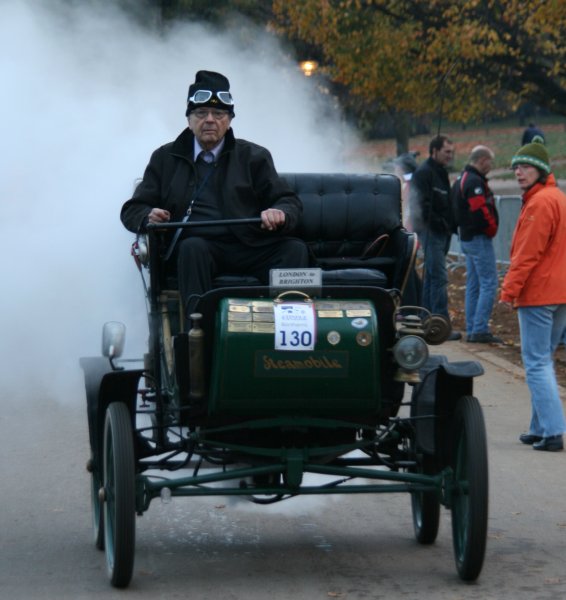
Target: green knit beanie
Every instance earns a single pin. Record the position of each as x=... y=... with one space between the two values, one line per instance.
x=532 y=154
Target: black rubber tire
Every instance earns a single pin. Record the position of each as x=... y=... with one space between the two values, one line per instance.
x=469 y=497
x=426 y=509
x=119 y=486
x=97 y=510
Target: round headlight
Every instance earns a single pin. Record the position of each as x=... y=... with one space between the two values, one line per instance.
x=410 y=352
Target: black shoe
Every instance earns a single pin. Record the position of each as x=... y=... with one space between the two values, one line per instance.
x=553 y=443
x=454 y=335
x=529 y=438
x=484 y=338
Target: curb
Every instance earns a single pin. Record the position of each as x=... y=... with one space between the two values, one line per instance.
x=504 y=364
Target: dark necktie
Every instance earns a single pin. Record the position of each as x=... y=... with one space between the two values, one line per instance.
x=208 y=158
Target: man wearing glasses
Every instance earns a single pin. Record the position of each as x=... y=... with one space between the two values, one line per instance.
x=207 y=174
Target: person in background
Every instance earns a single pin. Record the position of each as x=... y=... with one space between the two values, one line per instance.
x=433 y=220
x=477 y=220
x=532 y=134
x=405 y=166
x=207 y=174
x=535 y=284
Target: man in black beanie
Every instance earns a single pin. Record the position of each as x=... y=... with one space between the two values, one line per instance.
x=207 y=174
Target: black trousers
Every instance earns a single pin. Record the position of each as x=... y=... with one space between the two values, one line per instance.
x=200 y=260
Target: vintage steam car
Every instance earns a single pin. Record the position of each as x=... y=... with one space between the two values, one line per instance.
x=326 y=371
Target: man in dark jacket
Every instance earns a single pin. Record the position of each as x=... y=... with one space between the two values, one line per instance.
x=433 y=221
x=477 y=220
x=207 y=174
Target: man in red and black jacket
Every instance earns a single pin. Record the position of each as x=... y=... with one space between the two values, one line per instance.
x=477 y=220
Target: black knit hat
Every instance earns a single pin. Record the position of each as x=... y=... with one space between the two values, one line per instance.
x=218 y=85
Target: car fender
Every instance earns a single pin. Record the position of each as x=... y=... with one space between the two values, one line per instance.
x=434 y=400
x=104 y=385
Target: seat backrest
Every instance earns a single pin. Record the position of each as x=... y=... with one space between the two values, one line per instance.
x=343 y=212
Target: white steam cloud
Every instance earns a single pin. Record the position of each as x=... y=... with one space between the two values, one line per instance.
x=86 y=96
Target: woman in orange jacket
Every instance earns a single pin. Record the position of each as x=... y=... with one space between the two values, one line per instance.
x=535 y=284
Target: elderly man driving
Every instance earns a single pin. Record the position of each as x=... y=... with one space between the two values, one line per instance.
x=208 y=174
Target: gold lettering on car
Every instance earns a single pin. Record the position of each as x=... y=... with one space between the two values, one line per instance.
x=311 y=362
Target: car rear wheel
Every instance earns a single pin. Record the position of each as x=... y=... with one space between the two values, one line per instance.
x=426 y=509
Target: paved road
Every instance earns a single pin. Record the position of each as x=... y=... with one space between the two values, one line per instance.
x=308 y=548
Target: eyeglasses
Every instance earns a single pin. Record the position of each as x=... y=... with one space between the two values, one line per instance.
x=522 y=167
x=202 y=96
x=202 y=113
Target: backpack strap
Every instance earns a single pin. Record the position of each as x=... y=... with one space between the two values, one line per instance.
x=462 y=181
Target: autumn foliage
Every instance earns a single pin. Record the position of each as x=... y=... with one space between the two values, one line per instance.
x=482 y=56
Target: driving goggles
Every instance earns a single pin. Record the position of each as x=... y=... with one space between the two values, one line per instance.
x=202 y=96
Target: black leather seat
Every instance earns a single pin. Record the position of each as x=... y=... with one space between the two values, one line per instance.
x=343 y=216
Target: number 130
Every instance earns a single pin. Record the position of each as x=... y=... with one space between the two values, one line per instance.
x=295 y=338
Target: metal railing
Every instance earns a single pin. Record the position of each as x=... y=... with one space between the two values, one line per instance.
x=508 y=208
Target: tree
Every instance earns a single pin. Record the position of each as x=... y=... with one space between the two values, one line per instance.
x=461 y=60
x=258 y=11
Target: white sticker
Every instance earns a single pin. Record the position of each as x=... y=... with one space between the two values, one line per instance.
x=295 y=326
x=359 y=323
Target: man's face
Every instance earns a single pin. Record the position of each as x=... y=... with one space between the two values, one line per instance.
x=445 y=155
x=209 y=125
x=485 y=164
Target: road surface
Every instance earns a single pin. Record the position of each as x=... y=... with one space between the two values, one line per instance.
x=358 y=547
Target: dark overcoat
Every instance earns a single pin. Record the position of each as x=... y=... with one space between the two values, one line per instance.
x=245 y=184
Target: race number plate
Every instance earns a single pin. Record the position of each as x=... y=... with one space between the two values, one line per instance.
x=295 y=326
